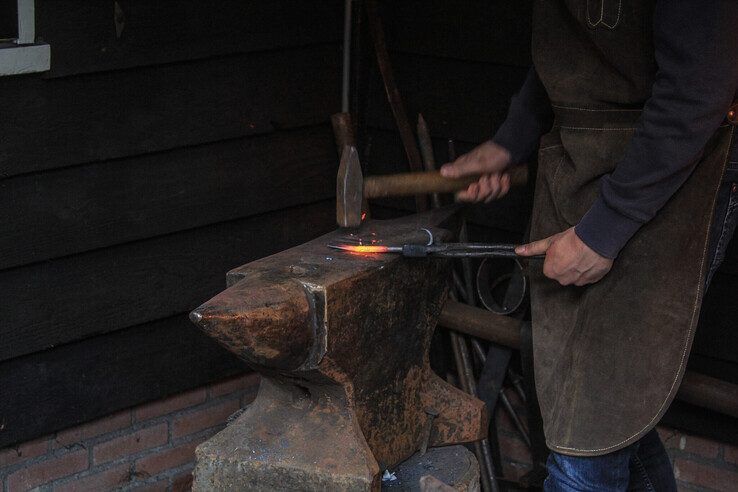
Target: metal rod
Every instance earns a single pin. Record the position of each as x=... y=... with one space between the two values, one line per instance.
x=517 y=382
x=426 y=151
x=514 y=416
x=393 y=94
x=346 y=81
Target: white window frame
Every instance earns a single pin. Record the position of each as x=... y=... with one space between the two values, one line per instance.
x=25 y=55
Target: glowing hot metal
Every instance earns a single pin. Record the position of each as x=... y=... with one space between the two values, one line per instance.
x=366 y=248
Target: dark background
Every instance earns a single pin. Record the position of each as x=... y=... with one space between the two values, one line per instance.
x=172 y=141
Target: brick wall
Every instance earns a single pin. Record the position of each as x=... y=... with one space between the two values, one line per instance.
x=700 y=465
x=146 y=448
x=151 y=447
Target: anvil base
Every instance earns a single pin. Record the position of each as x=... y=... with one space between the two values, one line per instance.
x=288 y=439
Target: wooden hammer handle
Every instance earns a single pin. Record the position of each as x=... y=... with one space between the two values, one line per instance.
x=405 y=184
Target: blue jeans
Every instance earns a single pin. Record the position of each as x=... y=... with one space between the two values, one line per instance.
x=644 y=465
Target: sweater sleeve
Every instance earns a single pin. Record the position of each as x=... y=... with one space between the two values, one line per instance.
x=528 y=117
x=696 y=45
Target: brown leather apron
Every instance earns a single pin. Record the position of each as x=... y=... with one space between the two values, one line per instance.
x=609 y=357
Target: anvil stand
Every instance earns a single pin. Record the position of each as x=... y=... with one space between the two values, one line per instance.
x=341 y=341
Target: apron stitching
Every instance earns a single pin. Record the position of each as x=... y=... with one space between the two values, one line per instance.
x=602 y=14
x=695 y=307
x=595 y=110
x=597 y=129
x=617 y=20
x=551 y=147
x=601 y=20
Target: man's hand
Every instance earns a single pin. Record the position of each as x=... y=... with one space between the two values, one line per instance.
x=490 y=160
x=568 y=260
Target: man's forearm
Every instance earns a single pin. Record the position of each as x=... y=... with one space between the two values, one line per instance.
x=528 y=118
x=697 y=54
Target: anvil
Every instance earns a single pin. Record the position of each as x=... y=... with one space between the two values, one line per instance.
x=341 y=340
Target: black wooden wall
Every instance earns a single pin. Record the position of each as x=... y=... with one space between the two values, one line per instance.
x=173 y=140
x=170 y=142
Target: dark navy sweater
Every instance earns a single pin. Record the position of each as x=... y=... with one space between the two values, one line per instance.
x=696 y=47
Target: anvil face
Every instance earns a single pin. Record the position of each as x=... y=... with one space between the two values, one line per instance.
x=353 y=329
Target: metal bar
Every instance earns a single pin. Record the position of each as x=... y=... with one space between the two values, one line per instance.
x=517 y=382
x=346 y=80
x=393 y=94
x=426 y=150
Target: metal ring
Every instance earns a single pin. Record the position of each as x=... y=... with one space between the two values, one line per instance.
x=430 y=236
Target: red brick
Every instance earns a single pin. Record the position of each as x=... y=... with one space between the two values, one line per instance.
x=158 y=486
x=705 y=475
x=233 y=385
x=512 y=449
x=669 y=437
x=203 y=418
x=151 y=465
x=182 y=482
x=699 y=446
x=24 y=451
x=731 y=454
x=171 y=404
x=130 y=443
x=102 y=480
x=95 y=428
x=48 y=470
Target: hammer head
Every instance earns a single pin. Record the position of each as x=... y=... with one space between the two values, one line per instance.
x=349 y=189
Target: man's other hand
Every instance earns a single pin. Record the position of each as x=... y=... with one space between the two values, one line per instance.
x=568 y=260
x=490 y=161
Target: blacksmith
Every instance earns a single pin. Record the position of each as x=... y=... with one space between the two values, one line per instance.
x=635 y=202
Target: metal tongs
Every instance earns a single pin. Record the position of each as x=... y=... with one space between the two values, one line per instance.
x=439 y=250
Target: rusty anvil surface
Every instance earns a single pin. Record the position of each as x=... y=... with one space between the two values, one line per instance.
x=341 y=341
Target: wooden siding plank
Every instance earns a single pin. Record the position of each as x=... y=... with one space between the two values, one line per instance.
x=473 y=30
x=55 y=123
x=458 y=99
x=68 y=385
x=75 y=297
x=58 y=213
x=96 y=36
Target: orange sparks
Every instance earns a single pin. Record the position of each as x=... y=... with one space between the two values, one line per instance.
x=362 y=248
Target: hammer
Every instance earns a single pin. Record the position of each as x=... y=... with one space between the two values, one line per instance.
x=352 y=187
